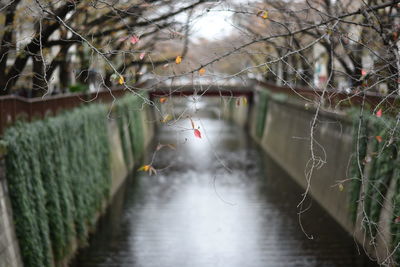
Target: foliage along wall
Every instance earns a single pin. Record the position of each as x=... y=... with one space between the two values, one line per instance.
x=58 y=173
x=375 y=162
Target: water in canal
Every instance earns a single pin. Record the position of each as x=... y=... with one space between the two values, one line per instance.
x=217 y=201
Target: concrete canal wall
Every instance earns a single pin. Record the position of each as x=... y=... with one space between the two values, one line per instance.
x=128 y=130
x=283 y=129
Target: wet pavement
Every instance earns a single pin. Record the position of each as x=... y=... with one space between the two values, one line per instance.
x=216 y=201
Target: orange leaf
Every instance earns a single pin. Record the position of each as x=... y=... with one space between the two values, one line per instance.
x=163 y=100
x=263 y=14
x=197 y=133
x=178 y=60
x=378 y=138
x=379 y=113
x=202 y=71
x=145 y=168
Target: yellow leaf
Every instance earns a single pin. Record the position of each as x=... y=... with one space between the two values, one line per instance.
x=166 y=118
x=145 y=168
x=178 y=60
x=244 y=100
x=263 y=14
x=341 y=187
x=202 y=71
x=121 y=80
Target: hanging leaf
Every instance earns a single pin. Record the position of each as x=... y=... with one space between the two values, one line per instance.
x=263 y=14
x=163 y=100
x=134 y=39
x=113 y=77
x=379 y=113
x=121 y=80
x=244 y=100
x=341 y=187
x=178 y=60
x=378 y=138
x=192 y=123
x=202 y=71
x=166 y=118
x=160 y=146
x=197 y=133
x=142 y=55
x=145 y=168
x=148 y=168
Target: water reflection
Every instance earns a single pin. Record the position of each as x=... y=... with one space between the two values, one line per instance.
x=197 y=212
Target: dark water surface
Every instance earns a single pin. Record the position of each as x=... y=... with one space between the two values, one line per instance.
x=196 y=213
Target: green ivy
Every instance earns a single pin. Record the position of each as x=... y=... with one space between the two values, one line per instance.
x=129 y=113
x=262 y=110
x=381 y=172
x=58 y=175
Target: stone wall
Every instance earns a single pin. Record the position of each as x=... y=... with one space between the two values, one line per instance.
x=9 y=250
x=286 y=138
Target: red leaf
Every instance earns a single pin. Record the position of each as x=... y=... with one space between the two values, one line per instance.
x=197 y=133
x=134 y=39
x=379 y=113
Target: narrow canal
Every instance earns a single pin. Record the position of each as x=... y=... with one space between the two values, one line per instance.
x=216 y=201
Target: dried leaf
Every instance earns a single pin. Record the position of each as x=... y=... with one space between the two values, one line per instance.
x=238 y=102
x=152 y=171
x=192 y=123
x=113 y=77
x=178 y=60
x=134 y=39
x=166 y=118
x=165 y=66
x=171 y=146
x=163 y=100
x=197 y=133
x=379 y=113
x=202 y=71
x=378 y=138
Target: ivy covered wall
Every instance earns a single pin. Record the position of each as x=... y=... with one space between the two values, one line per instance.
x=58 y=174
x=375 y=163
